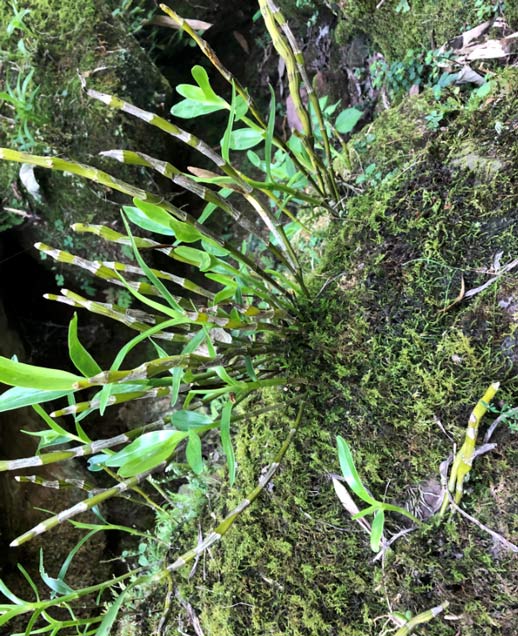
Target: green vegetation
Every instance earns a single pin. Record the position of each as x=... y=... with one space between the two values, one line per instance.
x=426 y=24
x=47 y=112
x=389 y=344
x=375 y=508
x=386 y=369
x=212 y=351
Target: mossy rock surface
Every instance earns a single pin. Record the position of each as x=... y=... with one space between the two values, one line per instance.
x=426 y=24
x=64 y=40
x=394 y=362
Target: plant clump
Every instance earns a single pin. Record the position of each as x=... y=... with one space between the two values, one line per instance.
x=395 y=360
x=385 y=350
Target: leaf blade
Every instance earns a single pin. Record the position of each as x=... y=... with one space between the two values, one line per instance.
x=349 y=471
x=81 y=358
x=29 y=376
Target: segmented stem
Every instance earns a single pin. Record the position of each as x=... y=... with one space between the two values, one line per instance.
x=169 y=171
x=464 y=458
x=78 y=451
x=259 y=288
x=83 y=506
x=299 y=61
x=424 y=617
x=193 y=142
x=220 y=530
x=209 y=52
x=56 y=484
x=99 y=176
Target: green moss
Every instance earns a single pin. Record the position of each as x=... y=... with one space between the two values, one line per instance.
x=387 y=368
x=63 y=40
x=427 y=25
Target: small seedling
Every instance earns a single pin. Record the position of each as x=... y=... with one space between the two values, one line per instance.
x=375 y=507
x=405 y=623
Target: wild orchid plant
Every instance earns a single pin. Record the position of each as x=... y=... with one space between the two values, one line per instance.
x=215 y=342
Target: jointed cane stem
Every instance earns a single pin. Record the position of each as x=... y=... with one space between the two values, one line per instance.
x=207 y=50
x=424 y=617
x=218 y=532
x=313 y=99
x=83 y=506
x=464 y=458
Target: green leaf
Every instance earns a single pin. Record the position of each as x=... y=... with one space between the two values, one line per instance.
x=223 y=375
x=347 y=120
x=223 y=279
x=187 y=420
x=377 y=530
x=47 y=438
x=250 y=368
x=241 y=107
x=193 y=453
x=183 y=231
x=153 y=278
x=255 y=160
x=224 y=294
x=29 y=376
x=177 y=374
x=199 y=100
x=82 y=360
x=225 y=141
x=188 y=109
x=370 y=510
x=202 y=79
x=17 y=397
x=192 y=256
x=54 y=426
x=484 y=90
x=58 y=586
x=270 y=132
x=189 y=91
x=96 y=462
x=149 y=217
x=195 y=342
x=174 y=310
x=108 y=621
x=245 y=138
x=12 y=597
x=207 y=211
x=226 y=442
x=146 y=452
x=349 y=471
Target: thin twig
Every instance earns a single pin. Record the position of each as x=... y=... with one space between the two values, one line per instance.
x=440 y=425
x=495 y=535
x=191 y=614
x=392 y=539
x=501 y=418
x=160 y=631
